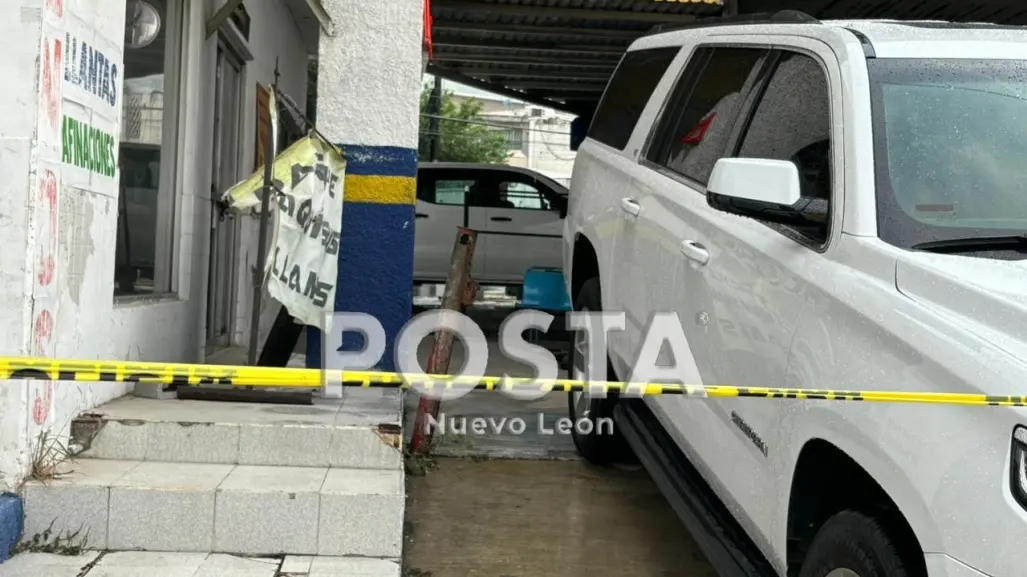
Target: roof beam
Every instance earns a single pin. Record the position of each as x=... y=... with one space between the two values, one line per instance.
x=575 y=100
x=560 y=12
x=557 y=85
x=535 y=47
x=543 y=74
x=536 y=30
x=533 y=98
x=533 y=60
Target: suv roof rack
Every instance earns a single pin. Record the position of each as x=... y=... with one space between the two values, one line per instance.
x=779 y=17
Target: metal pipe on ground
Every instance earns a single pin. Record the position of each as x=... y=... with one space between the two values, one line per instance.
x=459 y=293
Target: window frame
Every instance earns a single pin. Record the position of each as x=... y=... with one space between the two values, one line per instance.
x=743 y=121
x=665 y=114
x=545 y=191
x=431 y=176
x=167 y=233
x=606 y=93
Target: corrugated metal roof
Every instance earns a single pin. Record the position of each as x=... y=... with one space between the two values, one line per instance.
x=563 y=51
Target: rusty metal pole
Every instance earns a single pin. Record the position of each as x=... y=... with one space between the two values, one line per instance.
x=458 y=295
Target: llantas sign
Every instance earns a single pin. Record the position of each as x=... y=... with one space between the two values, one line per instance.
x=303 y=262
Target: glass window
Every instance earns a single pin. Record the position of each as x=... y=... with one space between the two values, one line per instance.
x=793 y=122
x=451 y=191
x=522 y=195
x=627 y=94
x=697 y=122
x=514 y=138
x=949 y=139
x=145 y=156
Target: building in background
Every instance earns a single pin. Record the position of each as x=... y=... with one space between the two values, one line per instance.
x=538 y=137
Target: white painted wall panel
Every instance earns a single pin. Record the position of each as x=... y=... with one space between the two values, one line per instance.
x=88 y=323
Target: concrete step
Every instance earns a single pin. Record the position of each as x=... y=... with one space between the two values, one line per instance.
x=360 y=431
x=222 y=508
x=148 y=563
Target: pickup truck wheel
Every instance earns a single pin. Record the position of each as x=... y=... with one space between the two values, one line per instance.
x=851 y=544
x=591 y=417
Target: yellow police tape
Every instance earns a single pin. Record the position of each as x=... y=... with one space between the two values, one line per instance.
x=28 y=368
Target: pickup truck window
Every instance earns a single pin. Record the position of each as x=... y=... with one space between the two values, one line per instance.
x=522 y=195
x=793 y=122
x=451 y=191
x=627 y=94
x=949 y=140
x=446 y=186
x=695 y=125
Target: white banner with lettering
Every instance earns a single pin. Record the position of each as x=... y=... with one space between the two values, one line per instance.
x=303 y=260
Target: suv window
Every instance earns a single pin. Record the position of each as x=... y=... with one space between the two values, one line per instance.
x=793 y=122
x=695 y=127
x=949 y=137
x=627 y=94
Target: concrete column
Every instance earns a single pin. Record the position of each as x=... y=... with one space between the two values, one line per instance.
x=58 y=203
x=369 y=81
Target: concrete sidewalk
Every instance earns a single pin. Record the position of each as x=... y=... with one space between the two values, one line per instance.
x=150 y=564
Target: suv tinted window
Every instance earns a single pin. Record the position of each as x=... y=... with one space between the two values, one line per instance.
x=793 y=122
x=949 y=142
x=696 y=124
x=627 y=94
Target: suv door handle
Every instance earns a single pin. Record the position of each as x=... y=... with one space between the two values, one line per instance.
x=695 y=251
x=501 y=219
x=422 y=215
x=629 y=206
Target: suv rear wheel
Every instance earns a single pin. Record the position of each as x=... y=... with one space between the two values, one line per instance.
x=594 y=443
x=851 y=544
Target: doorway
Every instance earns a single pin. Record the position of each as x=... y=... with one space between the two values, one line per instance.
x=224 y=228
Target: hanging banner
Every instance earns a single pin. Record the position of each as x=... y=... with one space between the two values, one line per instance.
x=303 y=260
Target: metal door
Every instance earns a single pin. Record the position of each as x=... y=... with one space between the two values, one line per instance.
x=224 y=241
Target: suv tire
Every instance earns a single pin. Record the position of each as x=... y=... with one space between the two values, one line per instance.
x=851 y=544
x=597 y=447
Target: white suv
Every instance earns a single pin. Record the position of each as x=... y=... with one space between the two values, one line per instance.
x=824 y=205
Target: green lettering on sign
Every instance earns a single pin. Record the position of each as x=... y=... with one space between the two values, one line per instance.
x=87 y=147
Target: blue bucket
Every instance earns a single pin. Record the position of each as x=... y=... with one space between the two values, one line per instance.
x=545 y=290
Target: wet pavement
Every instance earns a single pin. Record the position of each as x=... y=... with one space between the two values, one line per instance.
x=507 y=518
x=524 y=505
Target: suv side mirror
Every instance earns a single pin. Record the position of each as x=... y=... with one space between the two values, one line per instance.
x=763 y=189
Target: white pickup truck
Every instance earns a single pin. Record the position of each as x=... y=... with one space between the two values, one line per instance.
x=824 y=205
x=518 y=211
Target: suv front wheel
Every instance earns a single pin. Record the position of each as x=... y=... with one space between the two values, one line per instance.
x=851 y=544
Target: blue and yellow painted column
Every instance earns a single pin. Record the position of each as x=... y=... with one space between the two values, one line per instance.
x=369 y=82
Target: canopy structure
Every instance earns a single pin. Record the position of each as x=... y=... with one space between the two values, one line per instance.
x=560 y=53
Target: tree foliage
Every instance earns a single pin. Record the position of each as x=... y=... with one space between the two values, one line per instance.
x=458 y=139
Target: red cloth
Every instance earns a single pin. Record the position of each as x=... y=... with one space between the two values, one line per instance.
x=427 y=26
x=696 y=135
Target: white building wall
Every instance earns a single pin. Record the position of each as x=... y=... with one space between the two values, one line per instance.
x=60 y=208
x=20 y=103
x=88 y=322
